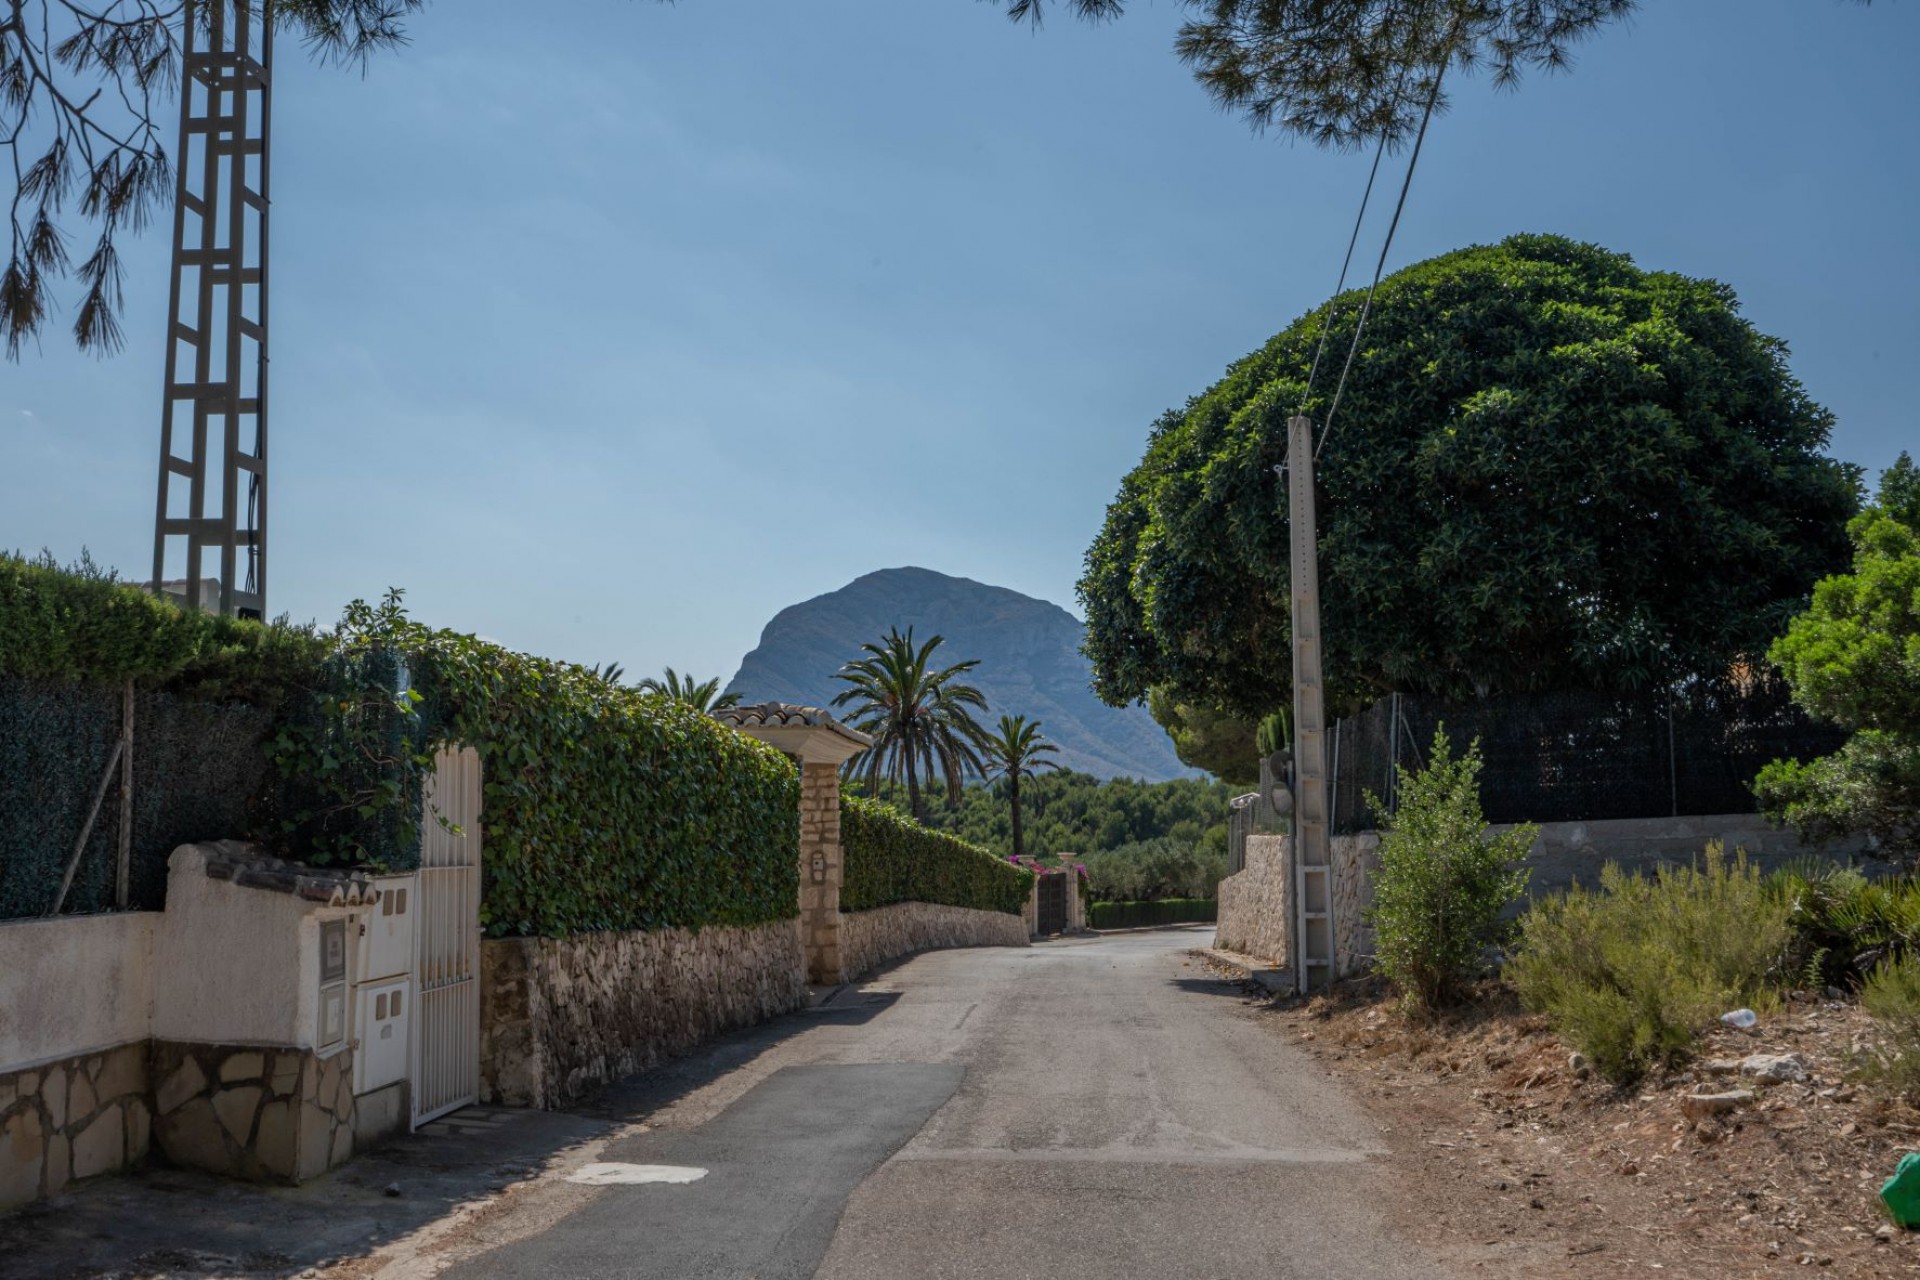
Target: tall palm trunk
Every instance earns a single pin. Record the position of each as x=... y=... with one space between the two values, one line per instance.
x=913 y=791
x=1013 y=795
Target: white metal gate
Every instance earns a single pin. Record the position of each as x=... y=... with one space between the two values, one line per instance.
x=446 y=1018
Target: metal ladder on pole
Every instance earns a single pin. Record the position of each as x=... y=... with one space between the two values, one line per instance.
x=1312 y=860
x=213 y=426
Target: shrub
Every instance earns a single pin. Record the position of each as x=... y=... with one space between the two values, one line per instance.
x=1145 y=870
x=891 y=858
x=1891 y=994
x=1631 y=972
x=1443 y=882
x=1844 y=924
x=1143 y=915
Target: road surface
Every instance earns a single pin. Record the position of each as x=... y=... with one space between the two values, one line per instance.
x=1082 y=1108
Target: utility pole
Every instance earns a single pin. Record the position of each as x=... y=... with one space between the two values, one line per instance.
x=213 y=422
x=1312 y=863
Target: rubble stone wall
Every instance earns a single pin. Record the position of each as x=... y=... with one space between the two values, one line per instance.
x=250 y=1111
x=72 y=1119
x=1256 y=904
x=561 y=1016
x=869 y=939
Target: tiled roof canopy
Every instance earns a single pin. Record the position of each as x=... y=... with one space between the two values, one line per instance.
x=245 y=866
x=787 y=715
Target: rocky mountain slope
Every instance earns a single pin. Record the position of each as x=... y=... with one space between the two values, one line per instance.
x=1029 y=651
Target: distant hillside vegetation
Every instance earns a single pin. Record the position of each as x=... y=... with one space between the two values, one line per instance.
x=1029 y=651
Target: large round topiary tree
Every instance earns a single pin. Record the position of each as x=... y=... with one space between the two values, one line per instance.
x=1549 y=469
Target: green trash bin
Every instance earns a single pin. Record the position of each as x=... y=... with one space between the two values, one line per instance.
x=1901 y=1192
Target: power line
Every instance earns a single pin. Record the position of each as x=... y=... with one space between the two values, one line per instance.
x=1366 y=307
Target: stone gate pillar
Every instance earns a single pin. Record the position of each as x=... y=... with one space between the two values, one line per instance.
x=820 y=744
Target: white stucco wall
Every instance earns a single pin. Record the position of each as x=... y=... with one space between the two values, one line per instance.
x=247 y=961
x=74 y=985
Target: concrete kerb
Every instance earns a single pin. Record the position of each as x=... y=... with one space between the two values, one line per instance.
x=1262 y=973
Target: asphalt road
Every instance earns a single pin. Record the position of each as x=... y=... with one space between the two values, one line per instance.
x=1084 y=1108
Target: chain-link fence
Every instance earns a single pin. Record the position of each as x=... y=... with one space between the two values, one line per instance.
x=1583 y=756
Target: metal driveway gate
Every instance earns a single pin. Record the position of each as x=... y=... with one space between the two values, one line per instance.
x=447 y=1017
x=1053 y=903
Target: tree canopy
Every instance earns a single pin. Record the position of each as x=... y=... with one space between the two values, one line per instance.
x=1550 y=469
x=1854 y=658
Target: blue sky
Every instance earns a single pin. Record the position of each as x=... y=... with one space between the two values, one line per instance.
x=609 y=338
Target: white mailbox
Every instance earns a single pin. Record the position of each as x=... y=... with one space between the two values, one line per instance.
x=386 y=945
x=384 y=1013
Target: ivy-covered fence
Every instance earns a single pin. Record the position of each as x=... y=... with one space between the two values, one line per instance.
x=891 y=858
x=208 y=693
x=604 y=808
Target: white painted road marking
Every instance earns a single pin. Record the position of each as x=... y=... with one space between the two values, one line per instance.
x=607 y=1175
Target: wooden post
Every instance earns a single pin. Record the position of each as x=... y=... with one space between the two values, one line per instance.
x=1313 y=870
x=123 y=867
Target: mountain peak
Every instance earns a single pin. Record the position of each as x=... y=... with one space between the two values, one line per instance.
x=1029 y=652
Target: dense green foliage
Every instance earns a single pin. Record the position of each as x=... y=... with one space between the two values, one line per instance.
x=1147 y=915
x=1011 y=754
x=1203 y=738
x=607 y=808
x=1068 y=812
x=1632 y=972
x=1551 y=469
x=1843 y=923
x=82 y=624
x=891 y=858
x=1443 y=882
x=1854 y=659
x=919 y=716
x=1144 y=870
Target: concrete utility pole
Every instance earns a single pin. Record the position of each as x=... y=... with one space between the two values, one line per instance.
x=213 y=424
x=1312 y=863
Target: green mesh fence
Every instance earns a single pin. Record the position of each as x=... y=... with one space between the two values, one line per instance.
x=196 y=767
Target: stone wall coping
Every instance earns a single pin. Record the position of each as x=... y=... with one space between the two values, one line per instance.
x=245 y=866
x=807 y=732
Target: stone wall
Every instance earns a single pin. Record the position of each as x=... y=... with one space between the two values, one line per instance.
x=1568 y=851
x=74 y=986
x=869 y=939
x=263 y=1114
x=822 y=871
x=1256 y=904
x=561 y=1016
x=72 y=1119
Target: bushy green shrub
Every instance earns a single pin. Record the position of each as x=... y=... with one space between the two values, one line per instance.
x=1443 y=882
x=1631 y=972
x=1844 y=924
x=81 y=623
x=891 y=858
x=1145 y=870
x=1891 y=994
x=1146 y=915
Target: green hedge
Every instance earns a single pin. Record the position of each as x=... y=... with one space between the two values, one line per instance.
x=891 y=858
x=81 y=624
x=606 y=808
x=209 y=691
x=1144 y=915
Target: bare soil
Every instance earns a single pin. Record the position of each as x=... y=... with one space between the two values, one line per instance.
x=1512 y=1161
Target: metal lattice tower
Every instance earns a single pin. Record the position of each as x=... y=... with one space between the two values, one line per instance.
x=213 y=425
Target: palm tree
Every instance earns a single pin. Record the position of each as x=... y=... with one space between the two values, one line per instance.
x=1014 y=752
x=700 y=695
x=607 y=673
x=918 y=717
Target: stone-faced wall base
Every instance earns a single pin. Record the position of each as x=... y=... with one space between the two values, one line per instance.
x=72 y=1119
x=560 y=1016
x=869 y=939
x=247 y=1111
